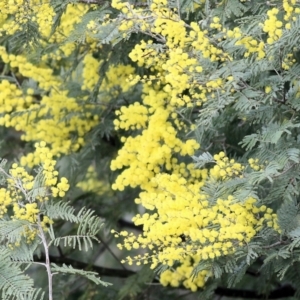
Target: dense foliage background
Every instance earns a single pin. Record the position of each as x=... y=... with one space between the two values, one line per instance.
x=154 y=144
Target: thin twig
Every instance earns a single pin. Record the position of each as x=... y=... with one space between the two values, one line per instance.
x=109 y=250
x=273 y=245
x=47 y=264
x=285 y=171
x=16 y=80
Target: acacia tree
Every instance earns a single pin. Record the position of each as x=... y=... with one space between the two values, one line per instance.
x=182 y=114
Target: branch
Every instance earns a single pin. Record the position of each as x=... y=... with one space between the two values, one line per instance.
x=281 y=292
x=46 y=259
x=81 y=265
x=274 y=245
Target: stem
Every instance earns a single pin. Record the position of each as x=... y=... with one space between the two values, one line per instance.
x=110 y=251
x=285 y=171
x=274 y=245
x=47 y=264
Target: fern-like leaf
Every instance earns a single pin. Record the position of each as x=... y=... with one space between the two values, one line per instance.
x=93 y=276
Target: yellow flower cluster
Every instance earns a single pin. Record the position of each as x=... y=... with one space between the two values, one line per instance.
x=41 y=154
x=40 y=74
x=273 y=26
x=116 y=80
x=216 y=23
x=61 y=188
x=16 y=13
x=183 y=275
x=114 y=83
x=225 y=167
x=44 y=16
x=143 y=54
x=43 y=120
x=178 y=68
x=26 y=212
x=90 y=72
x=44 y=157
x=151 y=151
x=25 y=193
x=133 y=16
x=135 y=116
x=48 y=113
x=5 y=201
x=17 y=102
x=179 y=64
x=91 y=26
x=288 y=61
x=268 y=89
x=118 y=4
x=182 y=223
x=91 y=183
x=16 y=8
x=209 y=230
x=290 y=11
x=24 y=179
x=251 y=44
x=71 y=16
x=254 y=164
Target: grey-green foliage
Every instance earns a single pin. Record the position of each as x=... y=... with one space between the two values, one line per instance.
x=236 y=272
x=88 y=227
x=234 y=8
x=287 y=215
x=17 y=253
x=64 y=269
x=11 y=230
x=14 y=283
x=203 y=159
x=107 y=32
x=28 y=37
